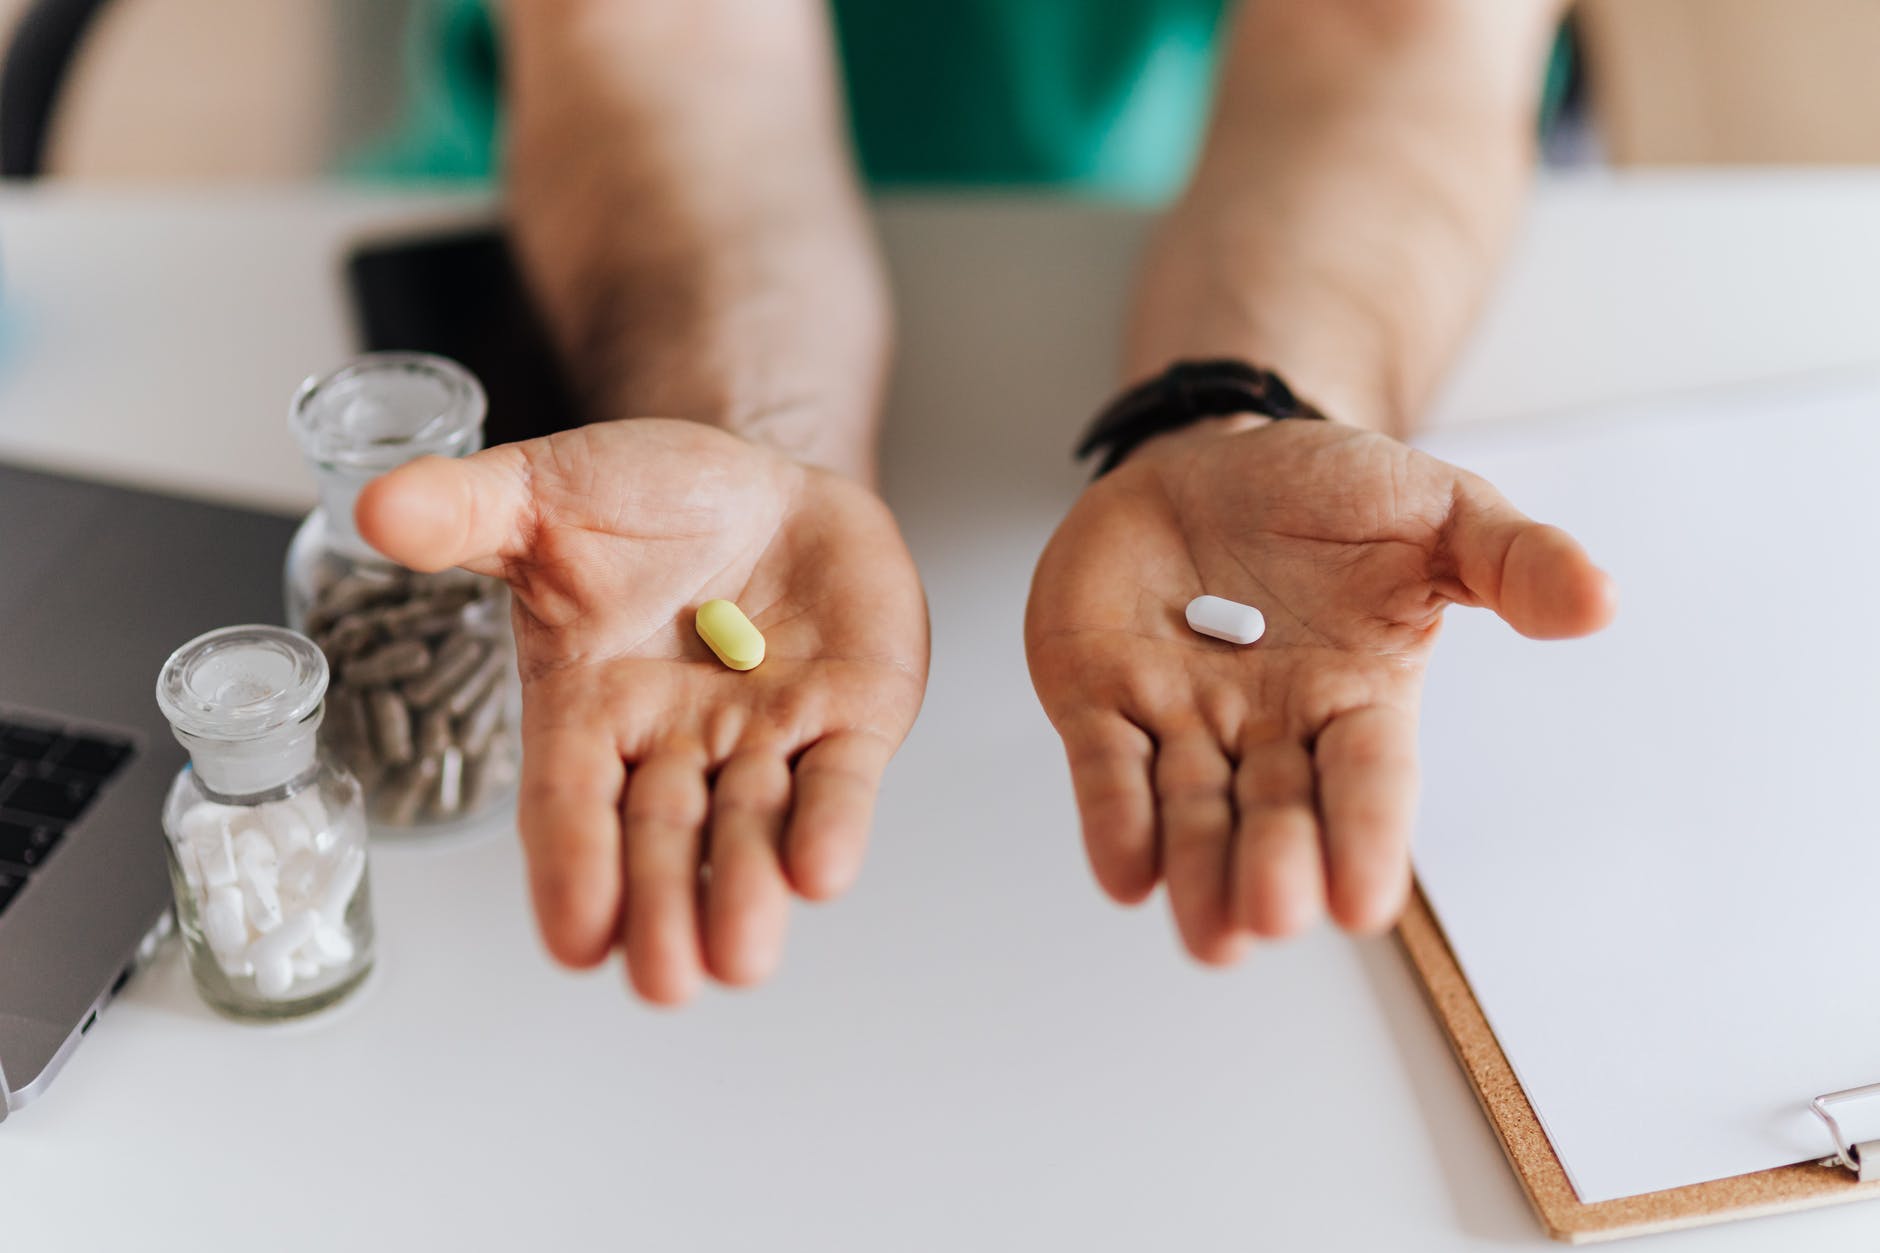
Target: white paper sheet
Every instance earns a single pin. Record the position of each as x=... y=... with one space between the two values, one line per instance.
x=1656 y=852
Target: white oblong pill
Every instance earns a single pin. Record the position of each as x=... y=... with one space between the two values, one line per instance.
x=312 y=812
x=191 y=868
x=216 y=859
x=286 y=829
x=255 y=856
x=300 y=879
x=222 y=923
x=338 y=893
x=204 y=820
x=263 y=903
x=1223 y=619
x=331 y=945
x=280 y=943
x=274 y=976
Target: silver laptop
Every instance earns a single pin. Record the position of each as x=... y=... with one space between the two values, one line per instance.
x=97 y=586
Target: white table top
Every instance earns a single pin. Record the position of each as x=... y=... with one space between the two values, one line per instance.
x=973 y=1050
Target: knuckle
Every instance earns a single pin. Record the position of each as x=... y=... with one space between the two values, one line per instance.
x=1183 y=795
x=744 y=807
x=834 y=775
x=661 y=814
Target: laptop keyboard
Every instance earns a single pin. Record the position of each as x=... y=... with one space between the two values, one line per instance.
x=49 y=776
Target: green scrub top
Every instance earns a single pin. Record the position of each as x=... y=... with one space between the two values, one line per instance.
x=1104 y=98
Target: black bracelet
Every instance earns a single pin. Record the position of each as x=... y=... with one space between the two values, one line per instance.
x=1182 y=395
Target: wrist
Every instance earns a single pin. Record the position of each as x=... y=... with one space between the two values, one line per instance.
x=1208 y=289
x=1197 y=435
x=812 y=433
x=689 y=346
x=764 y=314
x=806 y=428
x=1184 y=395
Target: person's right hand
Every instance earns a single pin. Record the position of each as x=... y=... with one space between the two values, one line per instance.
x=668 y=804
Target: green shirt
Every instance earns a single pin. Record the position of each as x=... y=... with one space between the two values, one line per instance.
x=1107 y=98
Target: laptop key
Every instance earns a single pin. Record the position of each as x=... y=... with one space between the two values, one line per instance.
x=26 y=846
x=9 y=884
x=26 y=741
x=56 y=796
x=86 y=754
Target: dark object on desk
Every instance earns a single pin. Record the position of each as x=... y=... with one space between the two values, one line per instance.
x=461 y=296
x=97 y=585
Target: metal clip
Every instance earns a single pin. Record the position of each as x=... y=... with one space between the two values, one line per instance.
x=1862 y=1157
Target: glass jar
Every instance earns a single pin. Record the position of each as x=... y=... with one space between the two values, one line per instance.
x=267 y=834
x=424 y=700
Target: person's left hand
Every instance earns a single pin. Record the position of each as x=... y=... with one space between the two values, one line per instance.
x=1263 y=782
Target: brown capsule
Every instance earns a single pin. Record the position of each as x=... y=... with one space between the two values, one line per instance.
x=396 y=620
x=436 y=623
x=434 y=732
x=366 y=769
x=478 y=725
x=368 y=585
x=370 y=620
x=447 y=789
x=389 y=664
x=318 y=622
x=348 y=638
x=404 y=791
x=456 y=659
x=344 y=727
x=391 y=726
x=485 y=775
x=460 y=583
x=452 y=595
x=473 y=779
x=472 y=689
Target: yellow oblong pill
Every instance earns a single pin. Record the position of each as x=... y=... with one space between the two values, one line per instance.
x=729 y=634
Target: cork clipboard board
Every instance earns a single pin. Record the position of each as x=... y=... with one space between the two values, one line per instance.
x=1538 y=1168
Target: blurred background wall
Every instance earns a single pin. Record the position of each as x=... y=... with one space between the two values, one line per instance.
x=1734 y=81
x=251 y=89
x=257 y=89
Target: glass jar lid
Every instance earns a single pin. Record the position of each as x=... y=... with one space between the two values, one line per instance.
x=242 y=683
x=385 y=408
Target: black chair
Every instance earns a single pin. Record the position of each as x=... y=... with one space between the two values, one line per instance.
x=38 y=60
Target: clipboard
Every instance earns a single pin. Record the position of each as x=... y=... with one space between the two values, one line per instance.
x=1848 y=1175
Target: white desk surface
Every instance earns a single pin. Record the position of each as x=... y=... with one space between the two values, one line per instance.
x=973 y=1050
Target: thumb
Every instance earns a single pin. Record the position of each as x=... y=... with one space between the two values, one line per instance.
x=1537 y=578
x=436 y=512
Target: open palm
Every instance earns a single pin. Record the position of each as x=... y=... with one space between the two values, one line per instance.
x=1263 y=783
x=668 y=804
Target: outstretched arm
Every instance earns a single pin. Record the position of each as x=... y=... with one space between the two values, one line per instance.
x=1365 y=163
x=683 y=199
x=687 y=216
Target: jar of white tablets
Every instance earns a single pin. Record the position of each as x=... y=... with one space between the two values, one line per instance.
x=267 y=834
x=424 y=700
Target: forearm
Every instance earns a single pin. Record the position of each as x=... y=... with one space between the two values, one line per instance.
x=1364 y=167
x=684 y=206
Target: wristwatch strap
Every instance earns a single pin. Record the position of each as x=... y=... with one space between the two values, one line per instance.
x=1182 y=395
